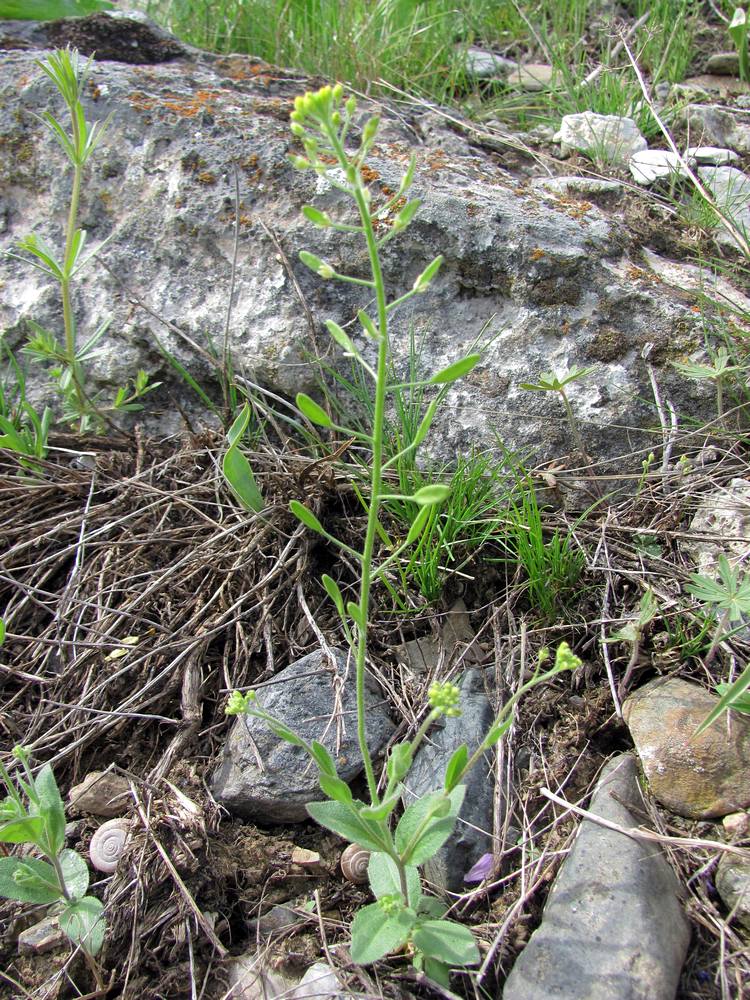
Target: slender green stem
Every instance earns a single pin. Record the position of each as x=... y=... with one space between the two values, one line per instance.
x=65 y=283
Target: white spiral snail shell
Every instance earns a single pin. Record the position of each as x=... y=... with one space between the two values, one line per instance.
x=354 y=862
x=108 y=844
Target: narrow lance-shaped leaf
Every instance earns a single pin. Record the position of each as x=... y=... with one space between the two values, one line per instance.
x=418 y=524
x=306 y=517
x=310 y=409
x=457 y=370
x=236 y=468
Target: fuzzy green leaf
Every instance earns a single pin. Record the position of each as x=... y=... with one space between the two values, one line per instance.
x=344 y=819
x=83 y=922
x=51 y=808
x=25 y=830
x=399 y=762
x=336 y=789
x=317 y=217
x=332 y=589
x=457 y=370
x=376 y=932
x=446 y=941
x=382 y=873
x=310 y=409
x=75 y=872
x=427 y=824
x=323 y=759
x=28 y=880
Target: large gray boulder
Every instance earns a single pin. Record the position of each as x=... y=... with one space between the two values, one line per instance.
x=544 y=282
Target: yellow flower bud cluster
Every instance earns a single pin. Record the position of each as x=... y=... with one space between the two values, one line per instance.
x=445 y=697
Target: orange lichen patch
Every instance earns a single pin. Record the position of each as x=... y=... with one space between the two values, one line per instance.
x=639 y=274
x=437 y=160
x=369 y=175
x=202 y=100
x=240 y=68
x=538 y=253
x=206 y=177
x=142 y=101
x=574 y=208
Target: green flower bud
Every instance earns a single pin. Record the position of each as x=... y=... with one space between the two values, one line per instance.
x=297 y=129
x=566 y=659
x=391 y=904
x=300 y=162
x=445 y=698
x=351 y=105
x=238 y=703
x=370 y=130
x=338 y=92
x=326 y=271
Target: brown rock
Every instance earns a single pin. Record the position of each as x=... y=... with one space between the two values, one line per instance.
x=695 y=776
x=101 y=793
x=41 y=937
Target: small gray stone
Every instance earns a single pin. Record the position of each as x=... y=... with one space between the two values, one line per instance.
x=473 y=835
x=733 y=885
x=613 y=926
x=711 y=156
x=722 y=524
x=603 y=138
x=533 y=77
x=263 y=778
x=698 y=776
x=41 y=937
x=484 y=65
x=320 y=982
x=714 y=125
x=101 y=793
x=251 y=979
x=650 y=165
x=723 y=64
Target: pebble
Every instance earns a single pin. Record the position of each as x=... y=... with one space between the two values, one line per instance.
x=533 y=77
x=263 y=778
x=484 y=65
x=613 y=925
x=711 y=156
x=731 y=189
x=41 y=937
x=699 y=777
x=604 y=138
x=732 y=880
x=101 y=793
x=723 y=64
x=650 y=165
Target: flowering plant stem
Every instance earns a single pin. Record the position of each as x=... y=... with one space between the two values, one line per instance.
x=402 y=915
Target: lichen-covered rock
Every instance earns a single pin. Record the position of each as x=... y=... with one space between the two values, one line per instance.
x=695 y=776
x=604 y=138
x=550 y=283
x=263 y=778
x=733 y=885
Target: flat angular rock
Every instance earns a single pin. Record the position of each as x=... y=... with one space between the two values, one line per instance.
x=265 y=779
x=41 y=937
x=579 y=185
x=715 y=125
x=722 y=521
x=101 y=793
x=604 y=138
x=650 y=165
x=532 y=77
x=613 y=926
x=723 y=64
x=473 y=834
x=711 y=156
x=700 y=777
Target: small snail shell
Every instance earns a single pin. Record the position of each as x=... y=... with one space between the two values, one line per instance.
x=108 y=844
x=354 y=862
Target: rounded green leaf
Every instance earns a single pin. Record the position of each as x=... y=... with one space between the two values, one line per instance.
x=75 y=872
x=83 y=922
x=28 y=880
x=317 y=217
x=332 y=589
x=376 y=932
x=447 y=941
x=457 y=370
x=341 y=337
x=335 y=788
x=429 y=495
x=306 y=516
x=384 y=878
x=326 y=763
x=310 y=409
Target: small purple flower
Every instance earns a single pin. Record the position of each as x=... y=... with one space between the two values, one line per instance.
x=483 y=869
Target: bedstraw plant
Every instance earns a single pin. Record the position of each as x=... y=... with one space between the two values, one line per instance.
x=402 y=916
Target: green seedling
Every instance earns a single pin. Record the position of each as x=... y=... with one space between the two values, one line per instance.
x=67 y=360
x=403 y=914
x=632 y=632
x=23 y=430
x=236 y=468
x=737 y=29
x=729 y=596
x=716 y=372
x=550 y=382
x=33 y=813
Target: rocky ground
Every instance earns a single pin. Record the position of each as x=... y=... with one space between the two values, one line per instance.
x=606 y=847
